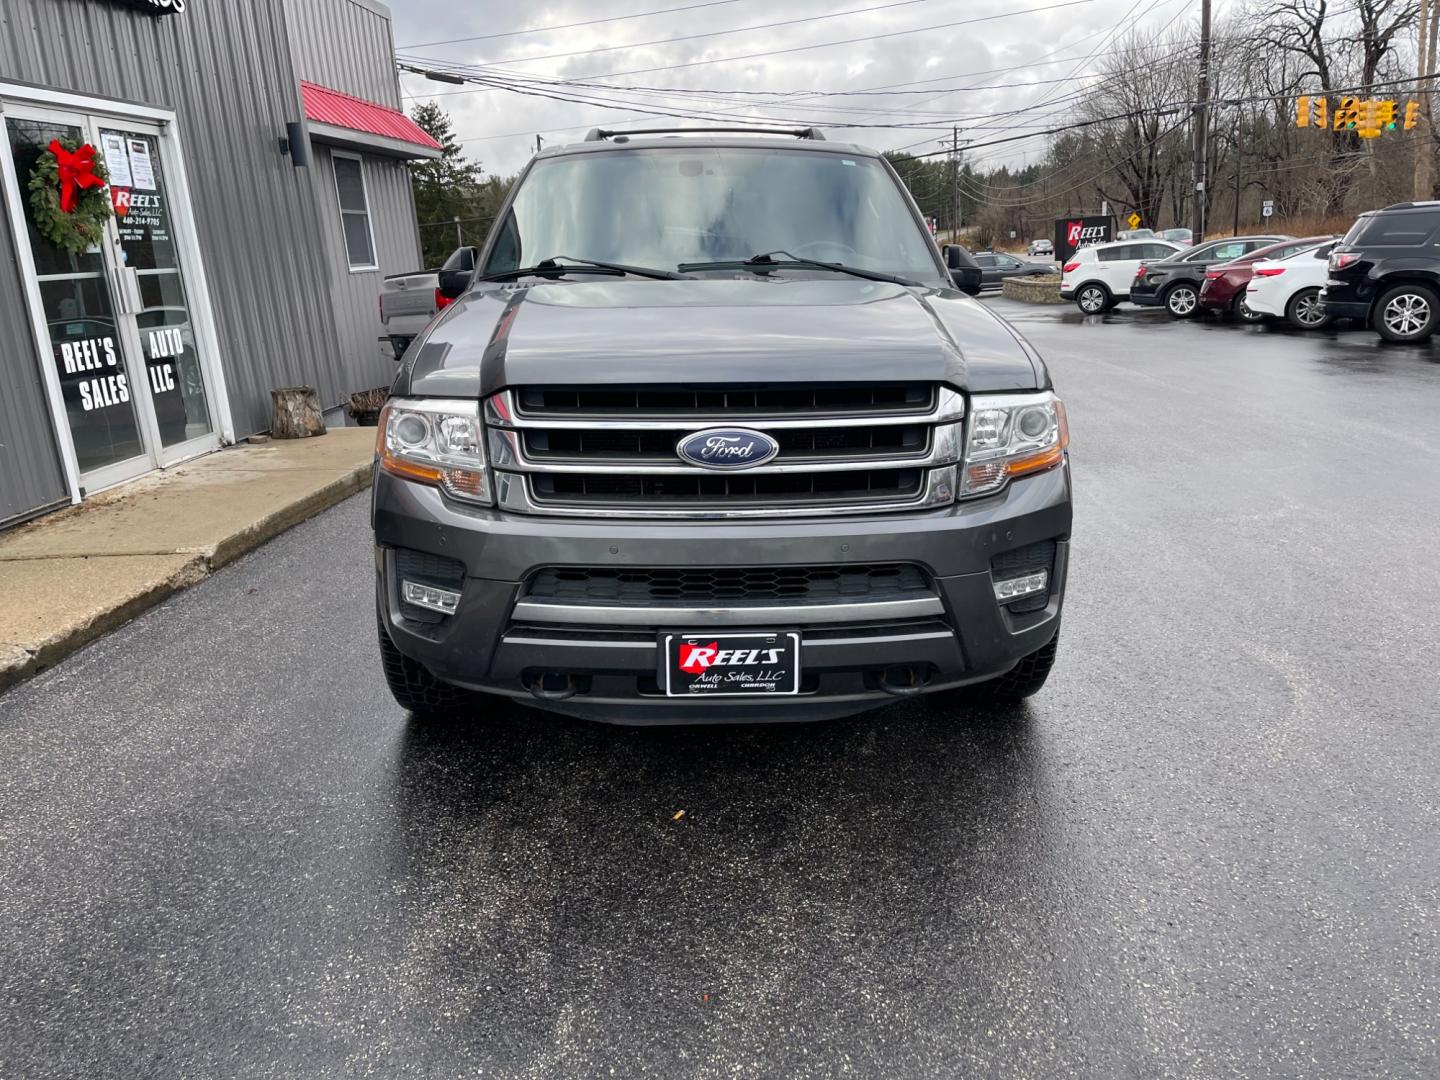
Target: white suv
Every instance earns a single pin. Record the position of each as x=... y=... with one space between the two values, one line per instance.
x=1097 y=278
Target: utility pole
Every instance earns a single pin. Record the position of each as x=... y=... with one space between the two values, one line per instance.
x=459 y=239
x=1239 y=159
x=955 y=184
x=1202 y=126
x=1424 y=139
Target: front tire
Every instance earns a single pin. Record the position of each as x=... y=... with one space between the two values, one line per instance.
x=1093 y=299
x=1305 y=311
x=416 y=690
x=1182 y=301
x=1406 y=313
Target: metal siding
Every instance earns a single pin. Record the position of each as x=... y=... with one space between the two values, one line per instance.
x=397 y=250
x=347 y=46
x=227 y=71
x=31 y=476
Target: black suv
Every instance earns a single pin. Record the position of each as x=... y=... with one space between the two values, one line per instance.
x=712 y=432
x=996 y=266
x=1175 y=283
x=1387 y=272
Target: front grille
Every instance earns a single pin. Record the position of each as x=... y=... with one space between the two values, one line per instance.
x=843 y=447
x=725 y=400
x=728 y=586
x=709 y=488
x=569 y=444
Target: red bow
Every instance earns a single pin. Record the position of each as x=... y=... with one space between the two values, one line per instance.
x=77 y=171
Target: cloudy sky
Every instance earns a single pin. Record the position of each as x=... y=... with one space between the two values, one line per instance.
x=925 y=63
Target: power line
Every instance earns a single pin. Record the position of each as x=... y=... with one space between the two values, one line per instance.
x=707 y=34
x=807 y=48
x=569 y=26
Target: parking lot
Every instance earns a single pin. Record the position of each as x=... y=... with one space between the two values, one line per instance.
x=1206 y=849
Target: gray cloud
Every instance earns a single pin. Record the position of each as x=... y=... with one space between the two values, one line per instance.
x=499 y=127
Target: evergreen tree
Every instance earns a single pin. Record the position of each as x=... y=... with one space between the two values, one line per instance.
x=445 y=188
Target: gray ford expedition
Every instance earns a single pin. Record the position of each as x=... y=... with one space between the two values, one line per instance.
x=711 y=434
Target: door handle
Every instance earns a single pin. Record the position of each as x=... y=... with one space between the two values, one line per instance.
x=126 y=284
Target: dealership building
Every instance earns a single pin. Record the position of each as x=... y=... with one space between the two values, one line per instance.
x=257 y=160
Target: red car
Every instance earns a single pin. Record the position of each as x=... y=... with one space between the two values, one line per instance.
x=1224 y=286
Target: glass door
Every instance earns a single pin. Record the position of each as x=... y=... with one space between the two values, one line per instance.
x=89 y=350
x=118 y=315
x=155 y=310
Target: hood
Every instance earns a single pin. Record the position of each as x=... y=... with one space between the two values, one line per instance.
x=715 y=331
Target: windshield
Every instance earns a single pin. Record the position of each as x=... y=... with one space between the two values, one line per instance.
x=663 y=207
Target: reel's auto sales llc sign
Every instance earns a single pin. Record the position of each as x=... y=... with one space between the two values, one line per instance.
x=1073 y=233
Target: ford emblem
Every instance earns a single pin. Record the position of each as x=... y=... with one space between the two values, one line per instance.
x=727 y=448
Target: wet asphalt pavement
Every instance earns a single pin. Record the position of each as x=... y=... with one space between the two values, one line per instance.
x=1210 y=848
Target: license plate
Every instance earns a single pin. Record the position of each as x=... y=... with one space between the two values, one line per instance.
x=730 y=665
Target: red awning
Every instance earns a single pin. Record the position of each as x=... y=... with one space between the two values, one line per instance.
x=326 y=106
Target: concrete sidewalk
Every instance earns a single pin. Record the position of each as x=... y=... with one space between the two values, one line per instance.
x=74 y=575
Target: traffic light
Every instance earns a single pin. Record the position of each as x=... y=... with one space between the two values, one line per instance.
x=1347 y=114
x=1412 y=114
x=1385 y=115
x=1312 y=110
x=1367 y=124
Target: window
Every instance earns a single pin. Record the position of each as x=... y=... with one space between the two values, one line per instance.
x=1156 y=251
x=1405 y=229
x=354 y=211
x=985 y=262
x=1007 y=260
x=1233 y=250
x=664 y=206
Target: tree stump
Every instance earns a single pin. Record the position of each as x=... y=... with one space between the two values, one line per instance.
x=296 y=413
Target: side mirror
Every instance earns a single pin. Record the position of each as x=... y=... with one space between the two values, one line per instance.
x=455 y=275
x=964 y=270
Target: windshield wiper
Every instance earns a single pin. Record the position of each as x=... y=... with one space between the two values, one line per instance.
x=553 y=266
x=766 y=261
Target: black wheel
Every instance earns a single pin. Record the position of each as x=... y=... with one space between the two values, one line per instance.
x=1242 y=312
x=415 y=689
x=1026 y=678
x=1305 y=311
x=1406 y=313
x=1093 y=299
x=1182 y=301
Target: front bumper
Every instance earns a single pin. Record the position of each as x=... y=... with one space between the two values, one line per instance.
x=495 y=643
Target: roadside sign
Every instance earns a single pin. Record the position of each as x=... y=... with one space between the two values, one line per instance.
x=1133 y=220
x=1267 y=207
x=1073 y=233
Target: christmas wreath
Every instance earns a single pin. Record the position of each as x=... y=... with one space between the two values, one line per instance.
x=68 y=196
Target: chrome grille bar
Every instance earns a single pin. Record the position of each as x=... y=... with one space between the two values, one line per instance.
x=895 y=473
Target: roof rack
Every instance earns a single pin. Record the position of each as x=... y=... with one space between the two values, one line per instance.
x=602 y=134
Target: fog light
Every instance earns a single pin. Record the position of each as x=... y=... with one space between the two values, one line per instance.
x=1017 y=587
x=427 y=596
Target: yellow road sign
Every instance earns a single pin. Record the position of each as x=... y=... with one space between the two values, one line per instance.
x=1133 y=221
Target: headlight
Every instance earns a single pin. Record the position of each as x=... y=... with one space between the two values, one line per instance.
x=1012 y=435
x=436 y=441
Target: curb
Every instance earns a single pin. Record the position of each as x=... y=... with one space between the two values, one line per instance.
x=17 y=664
